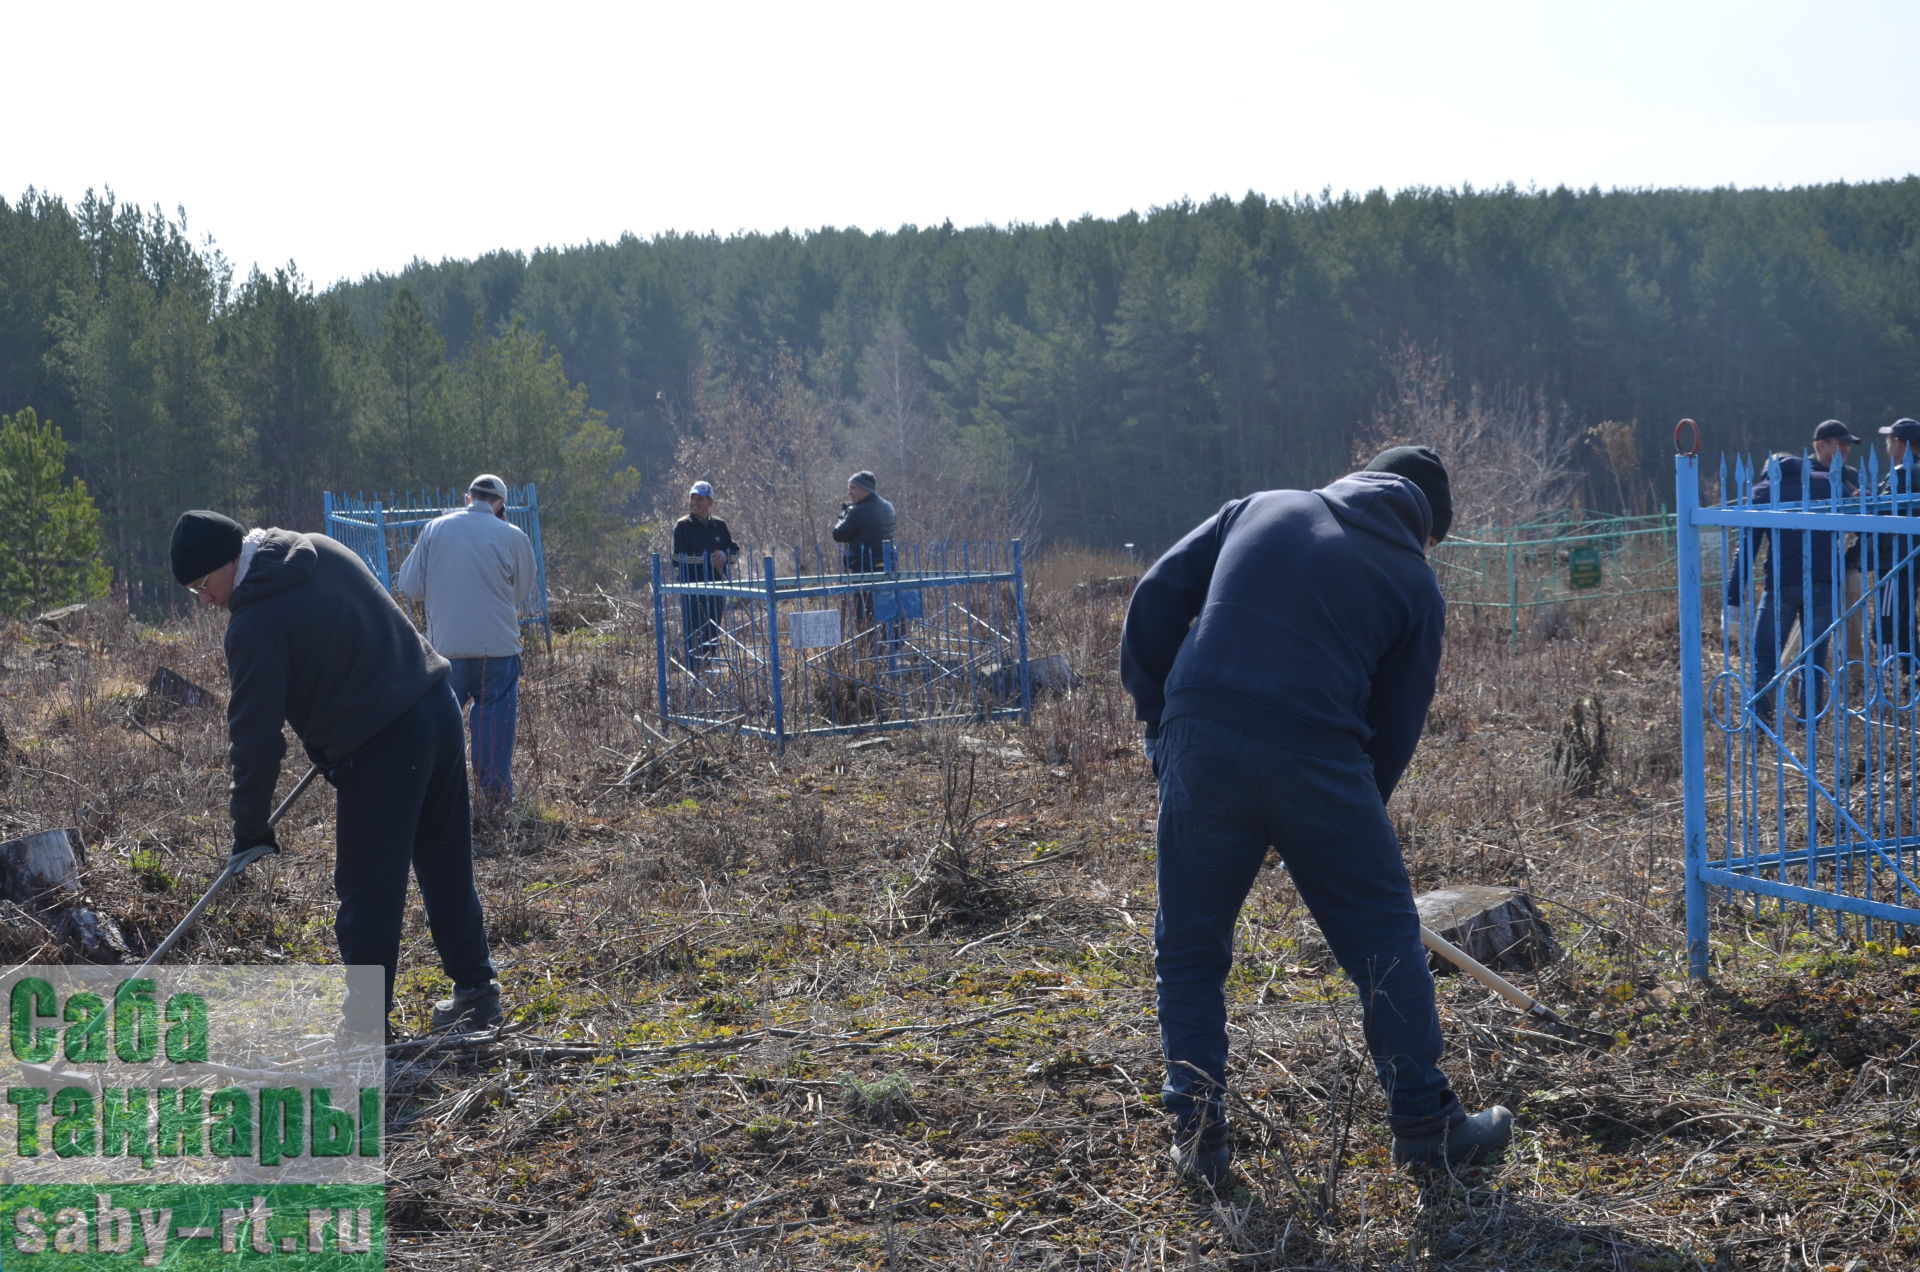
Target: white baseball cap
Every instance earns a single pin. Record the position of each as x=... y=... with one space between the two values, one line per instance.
x=489 y=485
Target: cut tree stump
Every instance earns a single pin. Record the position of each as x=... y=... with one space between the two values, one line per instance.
x=63 y=619
x=1499 y=926
x=1113 y=585
x=38 y=866
x=91 y=936
x=1051 y=674
x=169 y=691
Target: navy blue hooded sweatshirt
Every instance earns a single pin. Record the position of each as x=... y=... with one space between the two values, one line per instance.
x=1790 y=549
x=1308 y=618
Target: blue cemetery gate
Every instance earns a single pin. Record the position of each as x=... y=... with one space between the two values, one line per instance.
x=940 y=634
x=383 y=529
x=1813 y=798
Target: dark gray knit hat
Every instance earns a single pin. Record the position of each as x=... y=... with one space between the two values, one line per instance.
x=1419 y=465
x=203 y=542
x=865 y=480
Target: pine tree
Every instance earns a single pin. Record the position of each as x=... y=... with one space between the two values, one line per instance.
x=51 y=531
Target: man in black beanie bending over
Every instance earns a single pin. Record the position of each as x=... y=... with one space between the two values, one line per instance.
x=1283 y=656
x=315 y=642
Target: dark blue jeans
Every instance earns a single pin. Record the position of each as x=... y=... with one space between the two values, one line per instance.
x=1225 y=798
x=403 y=806
x=493 y=685
x=1809 y=606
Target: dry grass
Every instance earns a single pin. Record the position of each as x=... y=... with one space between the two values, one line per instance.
x=892 y=1007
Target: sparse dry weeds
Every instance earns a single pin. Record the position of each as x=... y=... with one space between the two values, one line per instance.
x=890 y=1005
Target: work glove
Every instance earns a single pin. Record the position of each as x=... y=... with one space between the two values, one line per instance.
x=1731 y=616
x=718 y=558
x=245 y=853
x=1150 y=743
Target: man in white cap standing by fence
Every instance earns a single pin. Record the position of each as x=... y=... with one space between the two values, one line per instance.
x=475 y=572
x=703 y=548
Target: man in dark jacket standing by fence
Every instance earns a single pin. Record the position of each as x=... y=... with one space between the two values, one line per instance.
x=1799 y=579
x=315 y=642
x=703 y=548
x=865 y=525
x=863 y=531
x=1283 y=656
x=1893 y=556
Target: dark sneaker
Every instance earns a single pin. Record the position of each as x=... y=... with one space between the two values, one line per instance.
x=1483 y=1135
x=476 y=1007
x=1200 y=1165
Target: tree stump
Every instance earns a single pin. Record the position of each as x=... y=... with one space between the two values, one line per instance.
x=64 y=619
x=1498 y=926
x=167 y=692
x=35 y=868
x=90 y=936
x=1113 y=585
x=1051 y=674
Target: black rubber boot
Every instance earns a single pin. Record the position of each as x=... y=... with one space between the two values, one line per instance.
x=476 y=1007
x=1199 y=1164
x=1483 y=1135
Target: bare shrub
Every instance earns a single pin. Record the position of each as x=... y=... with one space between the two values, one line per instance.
x=1509 y=451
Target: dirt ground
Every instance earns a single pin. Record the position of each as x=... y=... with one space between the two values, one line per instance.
x=891 y=1005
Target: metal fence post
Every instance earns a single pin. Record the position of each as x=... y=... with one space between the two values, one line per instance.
x=1020 y=629
x=1513 y=592
x=773 y=657
x=539 y=563
x=1693 y=750
x=660 y=637
x=380 y=542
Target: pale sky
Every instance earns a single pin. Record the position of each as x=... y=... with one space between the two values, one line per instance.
x=351 y=138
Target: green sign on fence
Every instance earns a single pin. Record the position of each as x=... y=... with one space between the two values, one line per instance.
x=1583 y=567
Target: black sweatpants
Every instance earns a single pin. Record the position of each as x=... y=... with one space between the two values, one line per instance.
x=403 y=803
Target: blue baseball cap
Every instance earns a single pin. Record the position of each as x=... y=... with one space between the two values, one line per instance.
x=1905 y=430
x=702 y=488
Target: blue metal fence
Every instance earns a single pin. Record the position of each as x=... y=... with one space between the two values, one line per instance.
x=940 y=634
x=382 y=529
x=1800 y=717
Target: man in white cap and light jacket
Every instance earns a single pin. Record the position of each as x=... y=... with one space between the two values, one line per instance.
x=474 y=570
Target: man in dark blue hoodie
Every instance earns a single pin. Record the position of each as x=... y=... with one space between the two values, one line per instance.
x=1800 y=579
x=1283 y=655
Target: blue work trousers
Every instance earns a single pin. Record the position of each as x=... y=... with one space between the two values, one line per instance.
x=1225 y=798
x=493 y=686
x=402 y=805
x=1811 y=607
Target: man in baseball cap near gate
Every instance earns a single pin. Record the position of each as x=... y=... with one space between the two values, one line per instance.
x=1831 y=441
x=1283 y=656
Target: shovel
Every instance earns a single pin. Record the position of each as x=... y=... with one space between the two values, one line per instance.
x=1545 y=1016
x=235 y=865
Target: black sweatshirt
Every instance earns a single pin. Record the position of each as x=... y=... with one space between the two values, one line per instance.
x=1310 y=619
x=861 y=530
x=314 y=642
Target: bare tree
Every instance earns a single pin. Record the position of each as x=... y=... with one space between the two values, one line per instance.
x=946 y=483
x=767 y=445
x=1509 y=451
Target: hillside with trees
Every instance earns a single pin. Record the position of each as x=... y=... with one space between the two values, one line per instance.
x=1098 y=382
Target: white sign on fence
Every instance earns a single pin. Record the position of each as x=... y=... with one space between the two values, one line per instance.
x=814 y=629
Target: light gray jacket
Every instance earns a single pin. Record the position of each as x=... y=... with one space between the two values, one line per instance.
x=475 y=572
